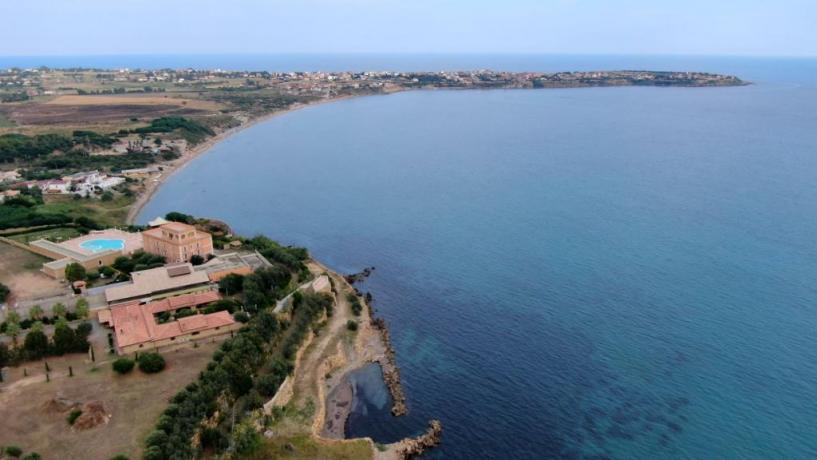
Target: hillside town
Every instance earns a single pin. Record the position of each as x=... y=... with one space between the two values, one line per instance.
x=29 y=83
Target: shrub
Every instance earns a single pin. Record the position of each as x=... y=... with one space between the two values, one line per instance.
x=123 y=365
x=14 y=451
x=196 y=259
x=74 y=272
x=268 y=384
x=184 y=312
x=32 y=456
x=241 y=317
x=351 y=325
x=151 y=363
x=73 y=416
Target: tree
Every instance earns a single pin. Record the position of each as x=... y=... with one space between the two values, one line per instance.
x=36 y=344
x=4 y=292
x=246 y=438
x=13 y=317
x=351 y=325
x=123 y=365
x=74 y=272
x=59 y=310
x=241 y=317
x=35 y=312
x=13 y=331
x=65 y=339
x=107 y=196
x=81 y=308
x=5 y=355
x=151 y=363
x=231 y=284
x=38 y=326
x=179 y=217
x=268 y=384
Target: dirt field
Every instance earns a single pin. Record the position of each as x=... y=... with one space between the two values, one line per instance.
x=20 y=271
x=51 y=114
x=134 y=402
x=133 y=100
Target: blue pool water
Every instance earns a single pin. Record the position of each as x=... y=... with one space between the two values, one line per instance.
x=101 y=245
x=586 y=273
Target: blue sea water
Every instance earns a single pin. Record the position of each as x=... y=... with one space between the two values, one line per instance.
x=578 y=273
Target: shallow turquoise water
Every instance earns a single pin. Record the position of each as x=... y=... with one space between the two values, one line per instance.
x=617 y=272
x=101 y=245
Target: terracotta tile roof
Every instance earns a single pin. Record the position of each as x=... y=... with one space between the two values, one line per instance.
x=134 y=323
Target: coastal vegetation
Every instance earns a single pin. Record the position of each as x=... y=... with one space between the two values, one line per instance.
x=32 y=209
x=250 y=365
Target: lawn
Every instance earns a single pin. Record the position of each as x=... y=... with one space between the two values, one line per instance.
x=6 y=122
x=52 y=234
x=108 y=213
x=307 y=447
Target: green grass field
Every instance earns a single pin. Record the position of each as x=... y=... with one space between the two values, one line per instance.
x=6 y=122
x=108 y=213
x=306 y=447
x=51 y=234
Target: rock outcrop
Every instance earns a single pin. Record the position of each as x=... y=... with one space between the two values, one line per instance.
x=391 y=374
x=412 y=447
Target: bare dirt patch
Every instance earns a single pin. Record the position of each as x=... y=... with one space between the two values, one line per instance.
x=133 y=100
x=49 y=114
x=133 y=402
x=20 y=271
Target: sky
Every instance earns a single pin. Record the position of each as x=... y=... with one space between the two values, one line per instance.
x=692 y=27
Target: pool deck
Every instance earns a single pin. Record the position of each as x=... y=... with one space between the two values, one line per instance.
x=132 y=241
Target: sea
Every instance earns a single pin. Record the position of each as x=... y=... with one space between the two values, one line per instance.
x=624 y=273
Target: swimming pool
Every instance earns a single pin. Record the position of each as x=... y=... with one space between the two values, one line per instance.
x=100 y=245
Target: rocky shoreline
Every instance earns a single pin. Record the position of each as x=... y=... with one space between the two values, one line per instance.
x=391 y=373
x=412 y=447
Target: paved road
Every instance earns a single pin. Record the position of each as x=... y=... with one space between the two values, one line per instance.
x=95 y=297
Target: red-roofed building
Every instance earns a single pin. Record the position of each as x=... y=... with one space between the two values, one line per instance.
x=137 y=329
